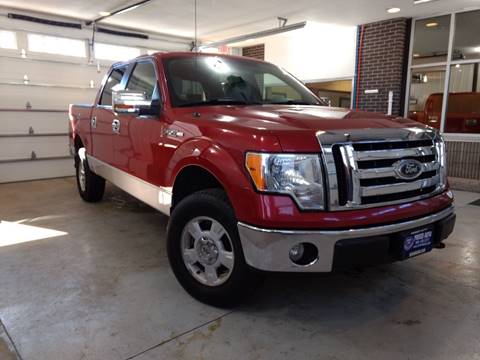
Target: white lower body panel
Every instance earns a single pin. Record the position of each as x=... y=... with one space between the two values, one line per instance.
x=157 y=197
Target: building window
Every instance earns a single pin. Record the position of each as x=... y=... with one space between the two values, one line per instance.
x=463 y=107
x=115 y=52
x=56 y=45
x=466 y=44
x=8 y=40
x=431 y=40
x=446 y=60
x=426 y=95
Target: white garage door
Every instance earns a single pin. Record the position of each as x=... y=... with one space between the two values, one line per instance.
x=36 y=88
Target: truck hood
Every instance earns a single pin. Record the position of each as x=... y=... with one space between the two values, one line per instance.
x=296 y=126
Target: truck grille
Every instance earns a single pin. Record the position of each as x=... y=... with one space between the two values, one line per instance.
x=364 y=169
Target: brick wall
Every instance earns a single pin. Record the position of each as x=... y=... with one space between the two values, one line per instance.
x=255 y=51
x=383 y=64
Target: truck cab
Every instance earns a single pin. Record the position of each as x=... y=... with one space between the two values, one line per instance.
x=257 y=174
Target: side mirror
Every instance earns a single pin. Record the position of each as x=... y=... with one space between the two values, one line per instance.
x=133 y=103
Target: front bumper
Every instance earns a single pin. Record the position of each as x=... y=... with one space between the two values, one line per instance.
x=268 y=250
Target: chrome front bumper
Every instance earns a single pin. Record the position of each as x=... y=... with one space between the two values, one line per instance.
x=268 y=250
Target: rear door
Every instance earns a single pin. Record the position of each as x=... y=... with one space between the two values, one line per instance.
x=103 y=116
x=139 y=142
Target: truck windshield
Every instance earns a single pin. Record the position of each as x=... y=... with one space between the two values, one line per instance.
x=217 y=80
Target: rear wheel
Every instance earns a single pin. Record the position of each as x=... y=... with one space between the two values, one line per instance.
x=205 y=251
x=90 y=186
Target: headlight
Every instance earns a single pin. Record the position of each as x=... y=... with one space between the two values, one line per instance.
x=298 y=175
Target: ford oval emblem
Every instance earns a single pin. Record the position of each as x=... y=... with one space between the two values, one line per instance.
x=408 y=169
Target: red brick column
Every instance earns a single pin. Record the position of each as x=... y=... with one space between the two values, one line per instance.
x=383 y=65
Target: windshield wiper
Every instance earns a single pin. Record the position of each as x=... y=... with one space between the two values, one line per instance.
x=219 y=101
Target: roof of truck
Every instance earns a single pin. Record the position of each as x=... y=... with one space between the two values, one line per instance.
x=176 y=54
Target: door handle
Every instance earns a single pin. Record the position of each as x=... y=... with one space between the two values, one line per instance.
x=116 y=126
x=93 y=122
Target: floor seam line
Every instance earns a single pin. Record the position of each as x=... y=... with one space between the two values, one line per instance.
x=17 y=353
x=179 y=335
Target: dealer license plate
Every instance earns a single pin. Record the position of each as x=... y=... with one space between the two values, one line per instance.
x=417 y=242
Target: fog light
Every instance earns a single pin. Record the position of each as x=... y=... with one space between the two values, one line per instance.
x=296 y=252
x=303 y=254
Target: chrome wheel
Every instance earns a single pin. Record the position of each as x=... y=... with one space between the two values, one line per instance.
x=207 y=251
x=82 y=180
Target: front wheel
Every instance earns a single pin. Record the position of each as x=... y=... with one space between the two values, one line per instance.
x=205 y=251
x=90 y=186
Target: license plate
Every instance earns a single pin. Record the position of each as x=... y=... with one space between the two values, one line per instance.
x=417 y=242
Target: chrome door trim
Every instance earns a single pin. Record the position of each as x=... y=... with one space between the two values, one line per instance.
x=93 y=122
x=158 y=197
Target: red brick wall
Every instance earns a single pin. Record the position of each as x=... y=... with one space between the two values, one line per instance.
x=255 y=51
x=383 y=64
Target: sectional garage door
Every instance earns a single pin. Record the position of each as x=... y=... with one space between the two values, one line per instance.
x=35 y=94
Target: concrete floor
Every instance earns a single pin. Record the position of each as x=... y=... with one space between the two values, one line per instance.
x=96 y=285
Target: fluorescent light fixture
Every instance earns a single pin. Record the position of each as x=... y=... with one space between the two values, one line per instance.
x=417 y=2
x=393 y=10
x=416 y=55
x=431 y=24
x=127 y=9
x=104 y=13
x=477 y=49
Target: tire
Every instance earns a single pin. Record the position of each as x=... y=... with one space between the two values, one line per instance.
x=195 y=225
x=90 y=186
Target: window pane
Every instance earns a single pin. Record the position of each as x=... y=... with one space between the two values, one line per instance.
x=426 y=95
x=113 y=84
x=430 y=42
x=143 y=79
x=56 y=45
x=273 y=89
x=228 y=80
x=467 y=36
x=8 y=40
x=463 y=110
x=115 y=52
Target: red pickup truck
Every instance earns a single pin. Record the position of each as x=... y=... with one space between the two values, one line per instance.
x=256 y=175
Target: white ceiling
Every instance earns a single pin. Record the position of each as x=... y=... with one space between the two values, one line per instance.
x=218 y=19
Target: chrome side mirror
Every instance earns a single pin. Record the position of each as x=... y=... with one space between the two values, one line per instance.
x=131 y=102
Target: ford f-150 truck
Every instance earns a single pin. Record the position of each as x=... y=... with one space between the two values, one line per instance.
x=256 y=174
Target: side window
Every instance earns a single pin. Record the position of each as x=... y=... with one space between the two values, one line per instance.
x=274 y=89
x=144 y=80
x=113 y=84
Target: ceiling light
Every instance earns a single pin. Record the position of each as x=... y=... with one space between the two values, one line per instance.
x=416 y=55
x=128 y=9
x=416 y=2
x=393 y=10
x=431 y=24
x=104 y=13
x=457 y=66
x=477 y=49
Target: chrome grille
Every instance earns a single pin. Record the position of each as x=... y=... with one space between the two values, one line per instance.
x=361 y=166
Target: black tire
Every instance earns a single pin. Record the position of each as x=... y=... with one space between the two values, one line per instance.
x=94 y=185
x=212 y=203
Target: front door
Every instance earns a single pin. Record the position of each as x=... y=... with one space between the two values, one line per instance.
x=137 y=146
